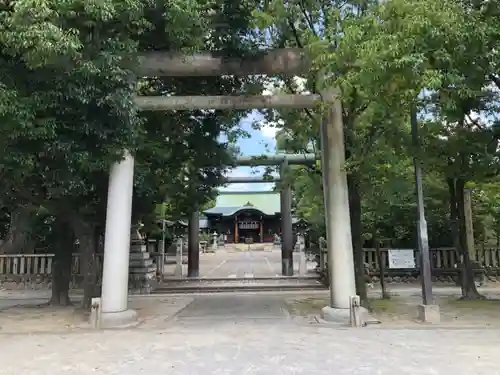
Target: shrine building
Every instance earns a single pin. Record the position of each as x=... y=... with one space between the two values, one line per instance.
x=244 y=217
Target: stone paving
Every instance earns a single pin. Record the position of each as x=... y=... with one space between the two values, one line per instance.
x=248 y=262
x=236 y=307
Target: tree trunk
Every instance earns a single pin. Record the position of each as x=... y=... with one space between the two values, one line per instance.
x=454 y=229
x=61 y=267
x=86 y=234
x=18 y=239
x=357 y=240
x=469 y=290
x=381 y=263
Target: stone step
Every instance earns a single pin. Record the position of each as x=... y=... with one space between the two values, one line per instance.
x=142 y=276
x=234 y=278
x=236 y=288
x=140 y=255
x=139 y=270
x=269 y=284
x=138 y=248
x=141 y=263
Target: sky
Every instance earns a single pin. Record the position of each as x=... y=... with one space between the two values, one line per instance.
x=262 y=141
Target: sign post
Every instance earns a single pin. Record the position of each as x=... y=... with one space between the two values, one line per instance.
x=301 y=245
x=178 y=256
x=401 y=258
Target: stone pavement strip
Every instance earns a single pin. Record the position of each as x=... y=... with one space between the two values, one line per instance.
x=244 y=335
x=243 y=263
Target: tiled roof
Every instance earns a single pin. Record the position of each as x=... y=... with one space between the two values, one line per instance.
x=225 y=211
x=228 y=203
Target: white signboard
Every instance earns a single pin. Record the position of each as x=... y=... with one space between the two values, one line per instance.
x=401 y=258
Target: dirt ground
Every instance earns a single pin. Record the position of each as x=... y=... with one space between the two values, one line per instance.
x=41 y=318
x=156 y=311
x=401 y=309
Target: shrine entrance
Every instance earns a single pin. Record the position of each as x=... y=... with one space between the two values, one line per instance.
x=114 y=297
x=249 y=230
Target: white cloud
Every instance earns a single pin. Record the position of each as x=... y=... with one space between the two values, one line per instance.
x=274 y=87
x=270 y=128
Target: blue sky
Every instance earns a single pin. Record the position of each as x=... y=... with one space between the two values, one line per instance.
x=261 y=142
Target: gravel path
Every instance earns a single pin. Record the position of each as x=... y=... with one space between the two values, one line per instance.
x=253 y=348
x=237 y=334
x=245 y=335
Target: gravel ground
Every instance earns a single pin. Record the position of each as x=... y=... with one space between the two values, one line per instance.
x=253 y=347
x=243 y=335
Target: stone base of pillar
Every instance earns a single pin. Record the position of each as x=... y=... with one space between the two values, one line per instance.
x=429 y=313
x=178 y=270
x=118 y=319
x=302 y=264
x=287 y=267
x=335 y=315
x=194 y=274
x=142 y=270
x=343 y=316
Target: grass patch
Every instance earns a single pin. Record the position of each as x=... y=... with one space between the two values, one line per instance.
x=480 y=304
x=484 y=312
x=404 y=309
x=307 y=306
x=384 y=305
x=313 y=305
x=393 y=309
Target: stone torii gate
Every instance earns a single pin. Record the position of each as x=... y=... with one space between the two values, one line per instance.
x=114 y=297
x=283 y=160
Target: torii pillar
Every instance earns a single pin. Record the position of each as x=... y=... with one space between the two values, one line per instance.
x=115 y=275
x=286 y=224
x=338 y=223
x=194 y=244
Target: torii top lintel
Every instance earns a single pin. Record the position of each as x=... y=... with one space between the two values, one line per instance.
x=289 y=61
x=276 y=159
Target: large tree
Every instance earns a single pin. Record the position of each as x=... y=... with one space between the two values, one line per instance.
x=438 y=57
x=68 y=113
x=389 y=58
x=319 y=27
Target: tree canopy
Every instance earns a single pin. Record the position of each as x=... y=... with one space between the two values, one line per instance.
x=388 y=58
x=67 y=110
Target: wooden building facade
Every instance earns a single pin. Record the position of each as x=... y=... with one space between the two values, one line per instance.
x=245 y=217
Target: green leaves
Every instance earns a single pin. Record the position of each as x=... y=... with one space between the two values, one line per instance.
x=66 y=101
x=30 y=29
x=386 y=57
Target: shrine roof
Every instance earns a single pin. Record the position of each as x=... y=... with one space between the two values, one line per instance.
x=229 y=203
